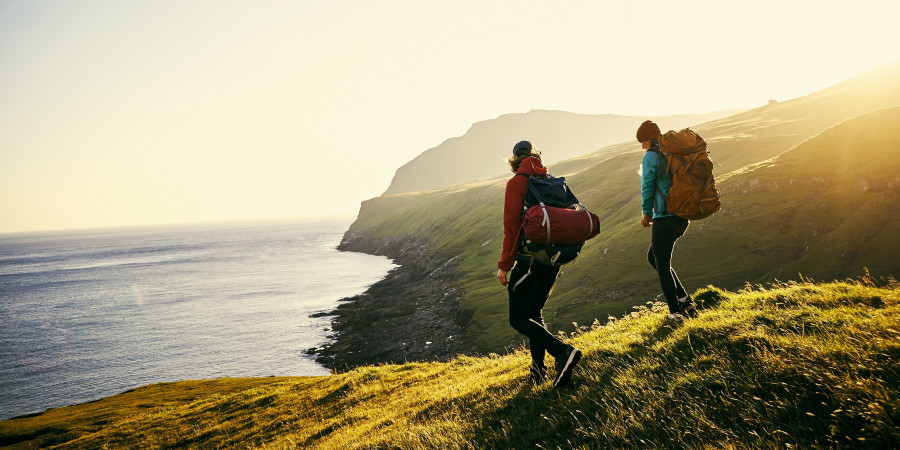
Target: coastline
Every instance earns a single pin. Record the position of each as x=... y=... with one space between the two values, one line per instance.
x=410 y=315
x=198 y=301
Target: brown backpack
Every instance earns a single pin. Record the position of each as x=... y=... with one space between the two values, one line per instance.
x=693 y=194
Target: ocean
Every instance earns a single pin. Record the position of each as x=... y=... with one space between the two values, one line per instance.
x=89 y=314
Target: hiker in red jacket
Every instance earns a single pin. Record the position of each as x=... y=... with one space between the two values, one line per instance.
x=530 y=283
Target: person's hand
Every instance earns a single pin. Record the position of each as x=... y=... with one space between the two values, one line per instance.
x=501 y=276
x=646 y=220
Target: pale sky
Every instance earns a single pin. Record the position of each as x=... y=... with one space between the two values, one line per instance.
x=116 y=113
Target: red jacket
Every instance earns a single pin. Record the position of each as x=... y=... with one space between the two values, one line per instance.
x=513 y=204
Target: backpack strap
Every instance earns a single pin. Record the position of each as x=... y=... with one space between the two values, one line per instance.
x=530 y=263
x=521 y=241
x=659 y=173
x=662 y=157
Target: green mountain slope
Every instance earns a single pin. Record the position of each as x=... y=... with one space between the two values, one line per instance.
x=794 y=365
x=765 y=132
x=807 y=211
x=813 y=210
x=826 y=207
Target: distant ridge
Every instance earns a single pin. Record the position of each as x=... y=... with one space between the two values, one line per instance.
x=481 y=151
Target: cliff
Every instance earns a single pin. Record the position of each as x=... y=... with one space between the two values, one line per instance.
x=412 y=314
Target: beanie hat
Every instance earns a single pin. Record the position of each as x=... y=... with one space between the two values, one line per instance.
x=648 y=131
x=522 y=146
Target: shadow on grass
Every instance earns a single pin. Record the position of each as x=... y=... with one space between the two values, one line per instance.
x=535 y=413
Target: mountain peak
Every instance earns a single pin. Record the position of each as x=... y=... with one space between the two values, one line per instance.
x=560 y=135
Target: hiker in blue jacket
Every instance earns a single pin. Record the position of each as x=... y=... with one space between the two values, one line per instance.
x=666 y=228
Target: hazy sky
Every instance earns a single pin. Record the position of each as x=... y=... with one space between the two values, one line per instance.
x=143 y=112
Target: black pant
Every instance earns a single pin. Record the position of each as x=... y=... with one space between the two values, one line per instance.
x=664 y=233
x=529 y=287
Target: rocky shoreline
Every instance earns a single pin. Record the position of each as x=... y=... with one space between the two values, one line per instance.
x=410 y=315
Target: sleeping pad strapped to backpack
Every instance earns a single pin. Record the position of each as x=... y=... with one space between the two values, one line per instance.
x=555 y=223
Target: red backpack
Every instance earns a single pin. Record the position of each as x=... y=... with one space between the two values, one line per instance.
x=554 y=223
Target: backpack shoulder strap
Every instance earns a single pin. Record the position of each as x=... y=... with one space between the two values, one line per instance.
x=659 y=172
x=662 y=159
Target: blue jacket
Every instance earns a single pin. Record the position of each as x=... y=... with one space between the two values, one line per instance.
x=651 y=200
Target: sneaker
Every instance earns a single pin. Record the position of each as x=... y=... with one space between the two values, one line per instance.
x=565 y=362
x=538 y=374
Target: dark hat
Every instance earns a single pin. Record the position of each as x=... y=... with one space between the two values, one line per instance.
x=648 y=131
x=522 y=146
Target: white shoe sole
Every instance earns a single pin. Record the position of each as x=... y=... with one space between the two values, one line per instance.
x=564 y=375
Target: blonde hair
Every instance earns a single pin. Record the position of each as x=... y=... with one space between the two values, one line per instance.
x=515 y=160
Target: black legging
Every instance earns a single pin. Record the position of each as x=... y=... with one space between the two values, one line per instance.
x=664 y=233
x=529 y=287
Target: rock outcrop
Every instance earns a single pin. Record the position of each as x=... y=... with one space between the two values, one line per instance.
x=410 y=315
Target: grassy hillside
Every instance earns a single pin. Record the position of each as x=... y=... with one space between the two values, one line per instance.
x=822 y=208
x=757 y=237
x=765 y=132
x=791 y=364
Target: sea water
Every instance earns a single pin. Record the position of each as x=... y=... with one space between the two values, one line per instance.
x=90 y=314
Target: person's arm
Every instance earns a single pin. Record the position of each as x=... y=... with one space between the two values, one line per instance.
x=649 y=166
x=513 y=201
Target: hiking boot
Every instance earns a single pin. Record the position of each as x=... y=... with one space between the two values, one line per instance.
x=686 y=307
x=688 y=310
x=538 y=374
x=565 y=362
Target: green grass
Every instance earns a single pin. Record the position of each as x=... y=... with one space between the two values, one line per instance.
x=795 y=364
